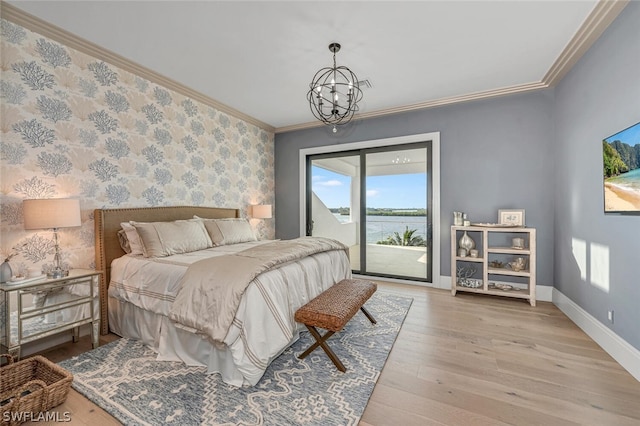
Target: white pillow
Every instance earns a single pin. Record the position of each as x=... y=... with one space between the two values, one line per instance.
x=135 y=245
x=228 y=231
x=161 y=239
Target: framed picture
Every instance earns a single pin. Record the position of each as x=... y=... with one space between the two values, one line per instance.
x=621 y=167
x=511 y=217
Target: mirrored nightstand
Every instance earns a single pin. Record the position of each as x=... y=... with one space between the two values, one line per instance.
x=36 y=308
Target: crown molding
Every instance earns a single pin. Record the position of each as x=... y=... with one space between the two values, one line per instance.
x=428 y=104
x=602 y=15
x=35 y=24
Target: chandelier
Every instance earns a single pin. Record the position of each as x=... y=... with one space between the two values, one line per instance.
x=334 y=93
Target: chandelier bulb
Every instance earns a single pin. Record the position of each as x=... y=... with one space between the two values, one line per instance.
x=334 y=129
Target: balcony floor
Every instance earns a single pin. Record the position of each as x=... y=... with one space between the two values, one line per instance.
x=402 y=261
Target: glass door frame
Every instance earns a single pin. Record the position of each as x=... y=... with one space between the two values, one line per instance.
x=434 y=182
x=427 y=145
x=308 y=191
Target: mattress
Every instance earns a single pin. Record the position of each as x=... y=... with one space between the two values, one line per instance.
x=143 y=290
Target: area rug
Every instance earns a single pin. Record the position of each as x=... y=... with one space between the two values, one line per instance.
x=124 y=379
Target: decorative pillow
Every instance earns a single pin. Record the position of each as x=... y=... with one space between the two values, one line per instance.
x=124 y=241
x=228 y=231
x=161 y=239
x=135 y=245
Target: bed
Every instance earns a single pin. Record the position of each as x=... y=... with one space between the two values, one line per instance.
x=153 y=299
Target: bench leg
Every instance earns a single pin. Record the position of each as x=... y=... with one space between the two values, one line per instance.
x=371 y=318
x=321 y=341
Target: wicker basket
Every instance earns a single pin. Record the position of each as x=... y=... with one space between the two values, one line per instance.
x=33 y=385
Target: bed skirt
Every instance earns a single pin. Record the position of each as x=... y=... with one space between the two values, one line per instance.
x=173 y=343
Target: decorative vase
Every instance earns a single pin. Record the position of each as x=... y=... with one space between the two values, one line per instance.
x=466 y=242
x=5 y=272
x=457 y=218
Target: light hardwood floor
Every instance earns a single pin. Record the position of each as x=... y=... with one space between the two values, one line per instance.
x=472 y=360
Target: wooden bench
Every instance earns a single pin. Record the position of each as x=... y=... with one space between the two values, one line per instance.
x=332 y=309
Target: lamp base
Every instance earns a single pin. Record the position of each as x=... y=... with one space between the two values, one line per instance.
x=57 y=273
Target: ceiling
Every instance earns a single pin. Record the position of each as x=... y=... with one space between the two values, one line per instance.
x=383 y=163
x=258 y=57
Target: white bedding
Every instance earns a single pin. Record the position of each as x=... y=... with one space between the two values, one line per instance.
x=263 y=325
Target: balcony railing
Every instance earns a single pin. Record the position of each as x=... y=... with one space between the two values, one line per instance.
x=379 y=230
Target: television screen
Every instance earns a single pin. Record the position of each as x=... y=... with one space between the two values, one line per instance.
x=621 y=160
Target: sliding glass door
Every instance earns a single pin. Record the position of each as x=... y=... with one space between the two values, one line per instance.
x=333 y=200
x=377 y=202
x=396 y=219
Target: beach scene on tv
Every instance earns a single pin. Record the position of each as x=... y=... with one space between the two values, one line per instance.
x=621 y=159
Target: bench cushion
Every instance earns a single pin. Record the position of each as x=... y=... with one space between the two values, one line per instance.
x=334 y=307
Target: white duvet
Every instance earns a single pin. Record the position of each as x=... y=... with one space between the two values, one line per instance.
x=264 y=323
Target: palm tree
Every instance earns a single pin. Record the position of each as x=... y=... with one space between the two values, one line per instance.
x=406 y=239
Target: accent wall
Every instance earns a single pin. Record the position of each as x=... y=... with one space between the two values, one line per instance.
x=75 y=126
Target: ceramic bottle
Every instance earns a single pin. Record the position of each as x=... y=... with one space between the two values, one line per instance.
x=466 y=242
x=5 y=272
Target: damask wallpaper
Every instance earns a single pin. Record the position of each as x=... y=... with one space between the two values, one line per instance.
x=75 y=126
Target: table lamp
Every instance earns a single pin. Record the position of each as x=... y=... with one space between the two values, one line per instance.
x=261 y=211
x=52 y=213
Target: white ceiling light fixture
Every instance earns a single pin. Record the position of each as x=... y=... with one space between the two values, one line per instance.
x=334 y=93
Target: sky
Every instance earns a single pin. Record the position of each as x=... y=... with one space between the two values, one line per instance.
x=394 y=191
x=630 y=136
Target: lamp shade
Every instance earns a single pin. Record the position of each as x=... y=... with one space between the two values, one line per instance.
x=262 y=211
x=51 y=213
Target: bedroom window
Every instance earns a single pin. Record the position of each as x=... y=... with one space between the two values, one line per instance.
x=378 y=201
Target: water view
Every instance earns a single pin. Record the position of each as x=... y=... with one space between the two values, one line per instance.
x=390 y=188
x=380 y=227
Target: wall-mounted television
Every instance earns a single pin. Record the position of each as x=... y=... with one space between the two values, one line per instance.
x=621 y=165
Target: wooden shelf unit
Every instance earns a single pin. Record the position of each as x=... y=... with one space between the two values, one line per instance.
x=492 y=245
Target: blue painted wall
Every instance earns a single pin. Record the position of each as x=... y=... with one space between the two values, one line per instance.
x=597 y=256
x=494 y=154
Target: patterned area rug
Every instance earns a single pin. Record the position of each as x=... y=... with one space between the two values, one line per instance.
x=124 y=379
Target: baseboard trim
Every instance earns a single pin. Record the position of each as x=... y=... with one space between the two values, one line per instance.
x=444 y=283
x=544 y=293
x=614 y=345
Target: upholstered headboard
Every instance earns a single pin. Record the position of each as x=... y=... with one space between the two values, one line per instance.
x=107 y=225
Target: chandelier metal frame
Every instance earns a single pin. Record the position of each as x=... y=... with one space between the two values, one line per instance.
x=334 y=93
